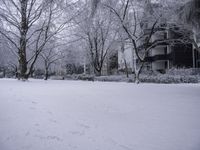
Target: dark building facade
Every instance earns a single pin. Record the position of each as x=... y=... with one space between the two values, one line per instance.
x=172 y=54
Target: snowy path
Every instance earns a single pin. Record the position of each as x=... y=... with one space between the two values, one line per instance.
x=75 y=115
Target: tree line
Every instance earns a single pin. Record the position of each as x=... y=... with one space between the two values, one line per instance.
x=35 y=32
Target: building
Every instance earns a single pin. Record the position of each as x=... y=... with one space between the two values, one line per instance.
x=168 y=54
x=165 y=56
x=172 y=55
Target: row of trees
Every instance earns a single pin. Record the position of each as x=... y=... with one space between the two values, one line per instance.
x=139 y=20
x=46 y=30
x=29 y=25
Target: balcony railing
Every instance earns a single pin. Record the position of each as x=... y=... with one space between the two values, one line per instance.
x=158 y=57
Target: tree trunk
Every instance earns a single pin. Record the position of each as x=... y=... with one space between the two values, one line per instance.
x=137 y=67
x=126 y=68
x=4 y=72
x=46 y=75
x=22 y=50
x=137 y=77
x=97 y=72
x=22 y=66
x=32 y=73
x=16 y=73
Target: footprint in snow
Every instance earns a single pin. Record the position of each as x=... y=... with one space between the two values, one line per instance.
x=19 y=100
x=52 y=120
x=36 y=124
x=79 y=133
x=84 y=125
x=53 y=138
x=49 y=112
x=125 y=147
x=33 y=102
x=50 y=137
x=32 y=108
x=72 y=146
x=118 y=145
x=27 y=133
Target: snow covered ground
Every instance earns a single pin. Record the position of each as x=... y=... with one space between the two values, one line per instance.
x=76 y=115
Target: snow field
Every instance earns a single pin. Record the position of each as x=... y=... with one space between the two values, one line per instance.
x=77 y=115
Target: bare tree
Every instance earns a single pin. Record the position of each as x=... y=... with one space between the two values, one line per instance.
x=99 y=45
x=28 y=26
x=131 y=17
x=7 y=56
x=98 y=34
x=122 y=50
x=140 y=21
x=50 y=56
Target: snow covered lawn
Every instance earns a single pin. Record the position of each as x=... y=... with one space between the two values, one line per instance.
x=76 y=115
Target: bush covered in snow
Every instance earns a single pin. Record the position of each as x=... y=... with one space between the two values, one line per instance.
x=171 y=76
x=84 y=77
x=159 y=78
x=57 y=78
x=184 y=72
x=114 y=78
x=165 y=78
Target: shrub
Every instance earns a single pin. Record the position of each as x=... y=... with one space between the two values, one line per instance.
x=183 y=72
x=165 y=78
x=57 y=78
x=85 y=77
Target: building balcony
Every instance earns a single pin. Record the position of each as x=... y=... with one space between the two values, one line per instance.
x=158 y=57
